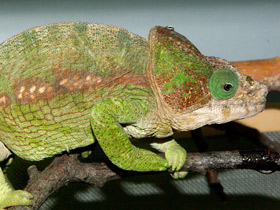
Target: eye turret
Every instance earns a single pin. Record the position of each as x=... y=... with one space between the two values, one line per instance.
x=223 y=84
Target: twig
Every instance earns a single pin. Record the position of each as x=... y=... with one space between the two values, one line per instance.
x=257 y=160
x=68 y=168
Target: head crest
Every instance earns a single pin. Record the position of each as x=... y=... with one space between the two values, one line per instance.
x=180 y=71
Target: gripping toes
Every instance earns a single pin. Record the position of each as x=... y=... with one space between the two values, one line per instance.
x=174 y=154
x=176 y=157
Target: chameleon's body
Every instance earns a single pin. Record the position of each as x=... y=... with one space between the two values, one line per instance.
x=59 y=72
x=64 y=85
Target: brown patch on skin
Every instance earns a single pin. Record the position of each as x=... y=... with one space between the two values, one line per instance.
x=131 y=78
x=79 y=83
x=192 y=93
x=34 y=89
x=75 y=80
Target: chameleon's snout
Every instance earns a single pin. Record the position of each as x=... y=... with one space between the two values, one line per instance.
x=255 y=89
x=249 y=100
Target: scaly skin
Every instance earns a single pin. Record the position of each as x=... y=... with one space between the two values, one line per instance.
x=64 y=85
x=51 y=81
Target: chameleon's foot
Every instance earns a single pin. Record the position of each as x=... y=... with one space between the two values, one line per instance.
x=141 y=160
x=179 y=174
x=175 y=155
x=85 y=154
x=15 y=198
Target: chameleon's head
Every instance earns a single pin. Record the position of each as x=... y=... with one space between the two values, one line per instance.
x=194 y=90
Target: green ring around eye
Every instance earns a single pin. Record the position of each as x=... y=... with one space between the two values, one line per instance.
x=223 y=84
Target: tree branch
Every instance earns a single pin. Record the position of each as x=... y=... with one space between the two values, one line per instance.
x=67 y=168
x=256 y=160
x=62 y=170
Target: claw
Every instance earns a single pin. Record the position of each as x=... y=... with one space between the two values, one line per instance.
x=179 y=174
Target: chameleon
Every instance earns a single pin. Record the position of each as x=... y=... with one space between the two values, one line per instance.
x=66 y=85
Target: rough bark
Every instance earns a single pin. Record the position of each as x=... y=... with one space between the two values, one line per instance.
x=68 y=168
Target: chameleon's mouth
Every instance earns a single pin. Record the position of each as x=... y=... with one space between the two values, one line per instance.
x=239 y=103
x=261 y=102
x=246 y=109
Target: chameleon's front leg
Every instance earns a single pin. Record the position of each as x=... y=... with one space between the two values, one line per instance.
x=107 y=114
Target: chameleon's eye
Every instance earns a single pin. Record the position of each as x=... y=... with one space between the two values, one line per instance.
x=223 y=84
x=228 y=87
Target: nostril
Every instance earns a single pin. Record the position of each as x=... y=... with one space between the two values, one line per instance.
x=249 y=80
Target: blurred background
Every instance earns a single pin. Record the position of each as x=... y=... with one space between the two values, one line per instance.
x=233 y=30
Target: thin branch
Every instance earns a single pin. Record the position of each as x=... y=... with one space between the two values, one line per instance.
x=68 y=168
x=256 y=160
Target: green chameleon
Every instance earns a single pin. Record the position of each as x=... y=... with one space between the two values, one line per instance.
x=65 y=85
